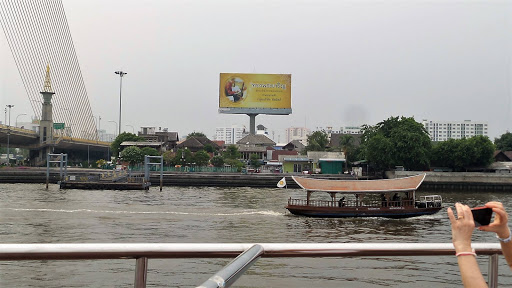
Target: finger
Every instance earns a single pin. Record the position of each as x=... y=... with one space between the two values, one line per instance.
x=494 y=205
x=451 y=216
x=467 y=212
x=487 y=228
x=459 y=209
x=502 y=213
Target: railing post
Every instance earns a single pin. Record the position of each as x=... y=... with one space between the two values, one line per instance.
x=236 y=268
x=493 y=271
x=47 y=169
x=161 y=172
x=141 y=272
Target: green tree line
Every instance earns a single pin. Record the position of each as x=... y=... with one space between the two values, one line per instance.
x=396 y=141
x=401 y=141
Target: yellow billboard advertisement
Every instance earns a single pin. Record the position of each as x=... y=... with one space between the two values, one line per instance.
x=255 y=93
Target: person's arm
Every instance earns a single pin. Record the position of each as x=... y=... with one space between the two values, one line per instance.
x=506 y=249
x=462 y=229
x=500 y=227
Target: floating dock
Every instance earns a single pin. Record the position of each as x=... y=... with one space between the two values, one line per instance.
x=111 y=180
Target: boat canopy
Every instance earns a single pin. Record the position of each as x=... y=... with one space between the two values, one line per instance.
x=361 y=186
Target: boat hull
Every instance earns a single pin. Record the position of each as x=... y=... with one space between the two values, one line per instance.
x=334 y=212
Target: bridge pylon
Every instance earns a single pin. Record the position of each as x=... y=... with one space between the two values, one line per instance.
x=46 y=123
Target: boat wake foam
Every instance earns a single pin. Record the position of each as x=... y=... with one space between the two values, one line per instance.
x=258 y=212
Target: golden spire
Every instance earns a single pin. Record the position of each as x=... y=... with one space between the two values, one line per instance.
x=47 y=81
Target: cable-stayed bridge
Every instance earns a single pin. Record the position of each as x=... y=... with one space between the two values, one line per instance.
x=38 y=37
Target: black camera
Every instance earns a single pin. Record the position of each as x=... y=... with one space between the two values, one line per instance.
x=482 y=216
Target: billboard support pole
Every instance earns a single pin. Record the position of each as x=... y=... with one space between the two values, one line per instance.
x=252 y=123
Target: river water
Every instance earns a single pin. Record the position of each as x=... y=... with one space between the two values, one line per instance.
x=31 y=214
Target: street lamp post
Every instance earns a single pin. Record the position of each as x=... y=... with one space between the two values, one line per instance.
x=96 y=126
x=99 y=128
x=121 y=74
x=85 y=133
x=133 y=129
x=16 y=125
x=9 y=133
x=114 y=128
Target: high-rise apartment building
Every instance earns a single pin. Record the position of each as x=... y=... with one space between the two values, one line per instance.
x=297 y=133
x=230 y=135
x=442 y=131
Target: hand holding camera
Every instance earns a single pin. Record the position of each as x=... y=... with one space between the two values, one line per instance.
x=500 y=223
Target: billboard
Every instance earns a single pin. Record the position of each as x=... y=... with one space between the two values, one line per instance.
x=255 y=93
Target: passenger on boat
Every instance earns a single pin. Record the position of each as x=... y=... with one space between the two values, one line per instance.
x=462 y=229
x=384 y=200
x=341 y=202
x=396 y=200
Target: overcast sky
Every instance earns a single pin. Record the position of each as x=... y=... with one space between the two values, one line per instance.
x=352 y=62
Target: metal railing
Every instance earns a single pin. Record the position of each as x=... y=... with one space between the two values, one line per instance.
x=350 y=203
x=247 y=254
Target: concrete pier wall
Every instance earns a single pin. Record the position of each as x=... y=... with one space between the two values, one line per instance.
x=434 y=181
x=460 y=181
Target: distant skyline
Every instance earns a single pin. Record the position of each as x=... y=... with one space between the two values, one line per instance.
x=352 y=62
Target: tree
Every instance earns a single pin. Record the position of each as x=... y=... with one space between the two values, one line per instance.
x=183 y=157
x=346 y=144
x=460 y=154
x=443 y=154
x=483 y=151
x=231 y=153
x=397 y=141
x=504 y=143
x=412 y=145
x=150 y=151
x=169 y=157
x=196 y=134
x=217 y=161
x=254 y=160
x=201 y=158
x=133 y=155
x=123 y=137
x=378 y=152
x=234 y=163
x=317 y=141
x=209 y=148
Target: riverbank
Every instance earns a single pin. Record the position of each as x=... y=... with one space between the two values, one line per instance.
x=209 y=179
x=460 y=181
x=434 y=181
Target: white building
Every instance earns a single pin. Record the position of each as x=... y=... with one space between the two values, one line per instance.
x=297 y=133
x=261 y=130
x=230 y=135
x=442 y=131
x=351 y=130
x=104 y=136
x=342 y=130
x=328 y=129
